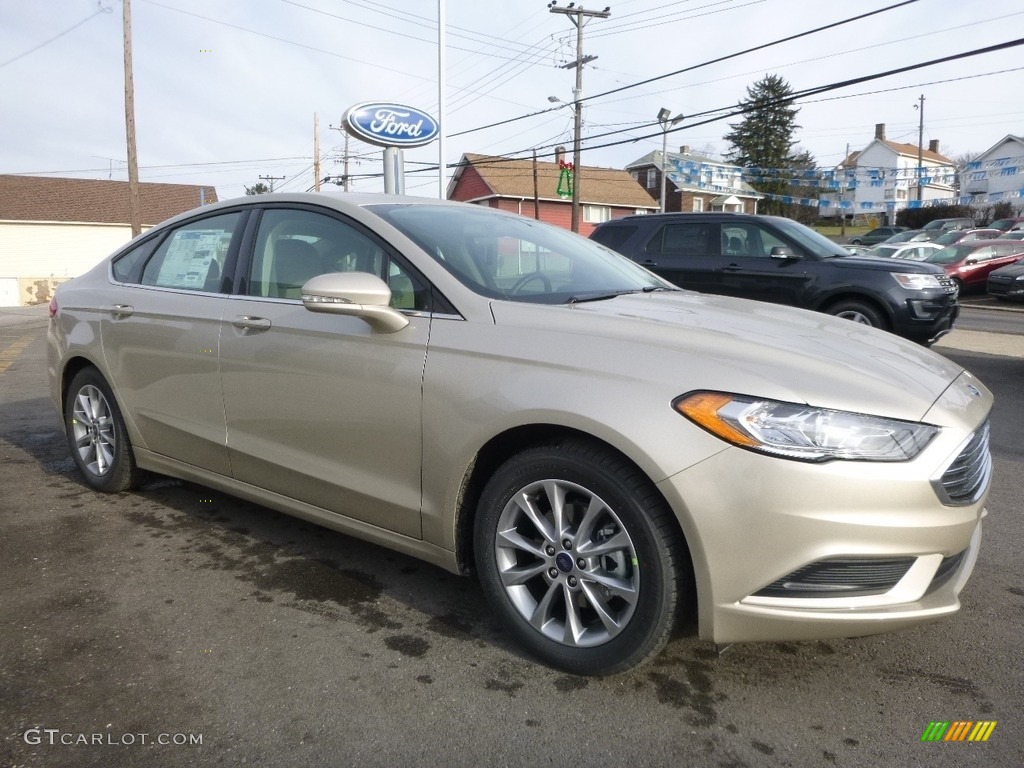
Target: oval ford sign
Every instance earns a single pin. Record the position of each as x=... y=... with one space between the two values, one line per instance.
x=390 y=125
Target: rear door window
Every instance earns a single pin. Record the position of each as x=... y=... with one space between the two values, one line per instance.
x=685 y=239
x=194 y=256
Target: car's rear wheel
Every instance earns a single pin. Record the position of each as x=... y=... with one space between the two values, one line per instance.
x=97 y=435
x=581 y=557
x=858 y=312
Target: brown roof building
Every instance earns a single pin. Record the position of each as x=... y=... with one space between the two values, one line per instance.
x=508 y=184
x=38 y=198
x=54 y=229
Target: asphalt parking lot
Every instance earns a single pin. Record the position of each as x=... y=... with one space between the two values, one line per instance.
x=177 y=626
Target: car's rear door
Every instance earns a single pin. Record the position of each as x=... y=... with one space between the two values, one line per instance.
x=321 y=407
x=685 y=253
x=161 y=335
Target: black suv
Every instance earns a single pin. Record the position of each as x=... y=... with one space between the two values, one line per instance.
x=774 y=259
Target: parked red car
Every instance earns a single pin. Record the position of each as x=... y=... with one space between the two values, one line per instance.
x=969 y=263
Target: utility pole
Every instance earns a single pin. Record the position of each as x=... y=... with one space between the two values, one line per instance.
x=316 y=152
x=129 y=125
x=272 y=179
x=344 y=167
x=842 y=196
x=920 y=143
x=344 y=171
x=578 y=16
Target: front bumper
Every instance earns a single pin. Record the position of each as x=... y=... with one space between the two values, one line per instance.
x=752 y=522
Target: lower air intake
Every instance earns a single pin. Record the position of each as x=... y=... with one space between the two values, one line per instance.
x=841 y=577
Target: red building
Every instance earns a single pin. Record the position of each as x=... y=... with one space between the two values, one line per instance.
x=532 y=189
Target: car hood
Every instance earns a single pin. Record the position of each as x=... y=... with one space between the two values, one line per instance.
x=885 y=264
x=697 y=341
x=1010 y=270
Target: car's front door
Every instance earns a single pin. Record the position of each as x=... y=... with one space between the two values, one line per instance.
x=753 y=265
x=322 y=407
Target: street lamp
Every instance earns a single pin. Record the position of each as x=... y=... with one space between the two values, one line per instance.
x=666 y=123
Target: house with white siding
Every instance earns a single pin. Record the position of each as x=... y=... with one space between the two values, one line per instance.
x=53 y=229
x=996 y=175
x=882 y=179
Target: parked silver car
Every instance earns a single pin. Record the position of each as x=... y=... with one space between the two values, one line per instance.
x=494 y=394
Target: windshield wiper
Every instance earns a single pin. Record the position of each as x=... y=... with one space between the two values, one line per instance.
x=612 y=294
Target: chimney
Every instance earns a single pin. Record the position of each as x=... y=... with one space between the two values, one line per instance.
x=880 y=131
x=933 y=146
x=559 y=154
x=684 y=150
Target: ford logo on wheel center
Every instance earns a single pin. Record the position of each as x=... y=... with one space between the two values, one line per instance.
x=390 y=125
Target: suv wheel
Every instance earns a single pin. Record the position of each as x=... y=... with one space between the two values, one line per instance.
x=858 y=312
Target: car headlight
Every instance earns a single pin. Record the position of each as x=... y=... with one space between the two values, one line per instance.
x=915 y=282
x=795 y=431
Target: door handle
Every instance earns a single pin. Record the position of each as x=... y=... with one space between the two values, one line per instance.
x=649 y=263
x=248 y=323
x=732 y=268
x=120 y=310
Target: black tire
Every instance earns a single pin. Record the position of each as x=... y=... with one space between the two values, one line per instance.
x=859 y=312
x=97 y=436
x=639 y=577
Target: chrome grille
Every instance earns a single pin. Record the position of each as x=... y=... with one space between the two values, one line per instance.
x=965 y=480
x=948 y=285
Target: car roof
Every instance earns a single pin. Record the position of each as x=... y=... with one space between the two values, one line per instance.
x=341 y=201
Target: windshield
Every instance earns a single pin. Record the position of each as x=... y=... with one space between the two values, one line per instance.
x=950 y=254
x=950 y=237
x=504 y=256
x=808 y=239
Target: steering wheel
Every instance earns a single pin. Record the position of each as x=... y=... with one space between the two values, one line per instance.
x=529 y=278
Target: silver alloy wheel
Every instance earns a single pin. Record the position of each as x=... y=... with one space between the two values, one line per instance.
x=855 y=316
x=93 y=426
x=567 y=563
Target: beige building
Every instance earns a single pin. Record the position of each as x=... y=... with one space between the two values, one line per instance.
x=54 y=229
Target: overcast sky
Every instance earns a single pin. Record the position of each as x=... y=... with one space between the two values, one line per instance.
x=226 y=90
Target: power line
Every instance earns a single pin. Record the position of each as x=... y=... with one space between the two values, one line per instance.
x=99 y=10
x=697 y=66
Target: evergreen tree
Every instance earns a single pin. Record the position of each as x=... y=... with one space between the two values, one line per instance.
x=259 y=188
x=764 y=139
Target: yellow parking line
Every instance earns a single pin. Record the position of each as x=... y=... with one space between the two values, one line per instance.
x=10 y=354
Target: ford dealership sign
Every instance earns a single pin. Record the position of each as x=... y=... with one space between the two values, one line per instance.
x=390 y=125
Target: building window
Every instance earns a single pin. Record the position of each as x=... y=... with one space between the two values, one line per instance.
x=652 y=178
x=595 y=214
x=698 y=204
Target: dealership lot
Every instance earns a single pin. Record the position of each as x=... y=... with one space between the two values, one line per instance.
x=175 y=625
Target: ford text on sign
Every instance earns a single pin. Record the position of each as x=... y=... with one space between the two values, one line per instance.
x=390 y=125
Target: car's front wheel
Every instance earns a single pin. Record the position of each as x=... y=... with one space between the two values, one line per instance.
x=858 y=312
x=581 y=557
x=97 y=435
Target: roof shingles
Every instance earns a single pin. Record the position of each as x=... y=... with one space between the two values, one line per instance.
x=94 y=201
x=506 y=177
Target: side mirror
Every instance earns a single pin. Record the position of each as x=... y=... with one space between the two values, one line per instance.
x=782 y=252
x=359 y=294
x=971 y=261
